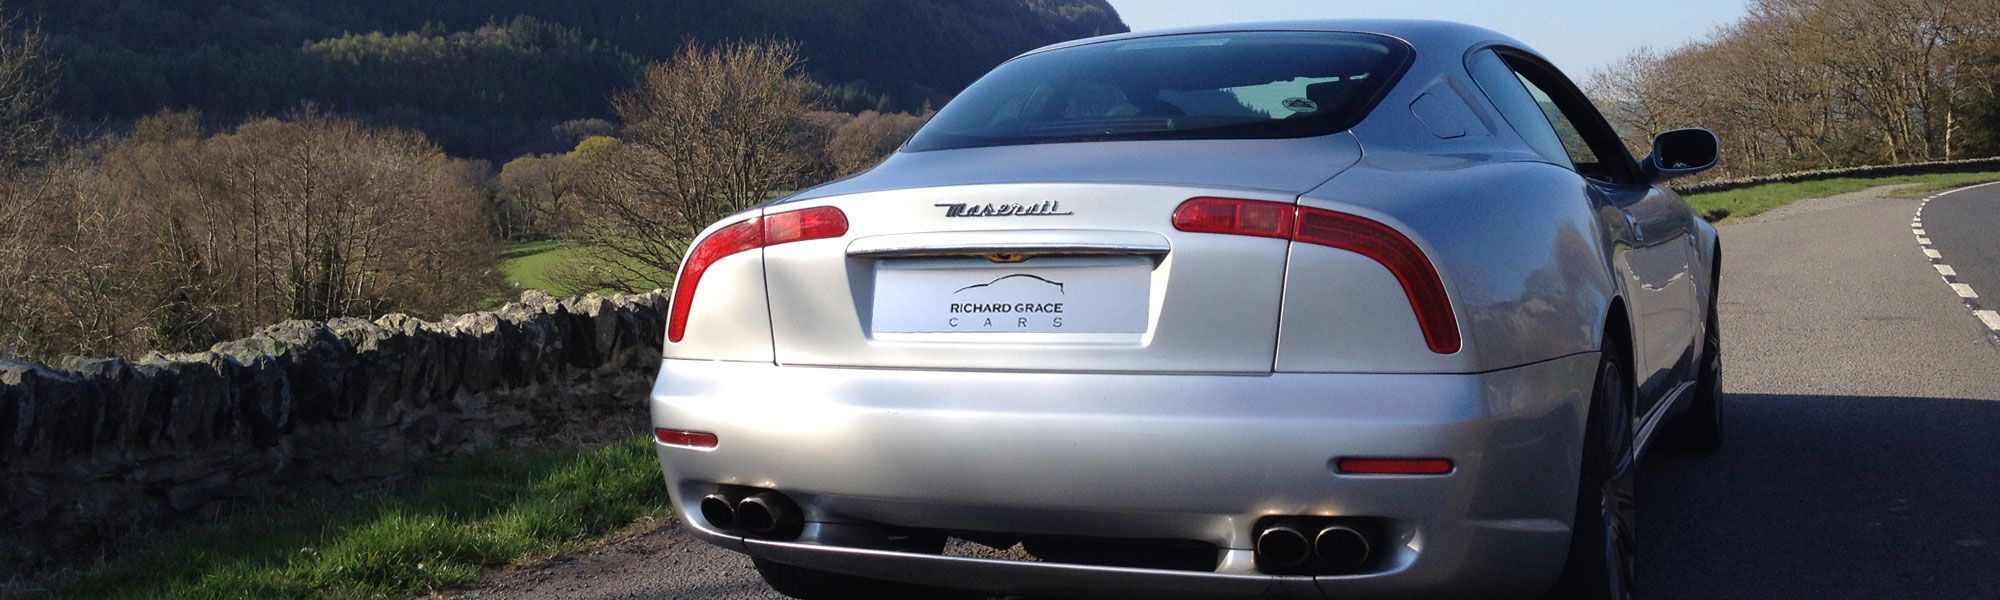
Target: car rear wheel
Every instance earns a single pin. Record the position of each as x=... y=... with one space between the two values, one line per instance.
x=1601 y=563
x=810 y=584
x=1699 y=428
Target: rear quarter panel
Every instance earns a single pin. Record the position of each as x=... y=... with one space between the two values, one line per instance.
x=1517 y=244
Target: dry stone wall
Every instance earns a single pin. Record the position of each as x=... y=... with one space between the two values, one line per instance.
x=1973 y=165
x=93 y=449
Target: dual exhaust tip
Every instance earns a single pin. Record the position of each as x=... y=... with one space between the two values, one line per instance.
x=763 y=513
x=1335 y=548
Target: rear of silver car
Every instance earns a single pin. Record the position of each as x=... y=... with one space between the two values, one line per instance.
x=1115 y=385
x=1157 y=383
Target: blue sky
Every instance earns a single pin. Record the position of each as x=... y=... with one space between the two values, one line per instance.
x=1579 y=35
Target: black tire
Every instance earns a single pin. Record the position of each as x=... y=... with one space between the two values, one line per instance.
x=809 y=584
x=1601 y=565
x=1699 y=428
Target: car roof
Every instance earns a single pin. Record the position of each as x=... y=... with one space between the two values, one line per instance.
x=1424 y=35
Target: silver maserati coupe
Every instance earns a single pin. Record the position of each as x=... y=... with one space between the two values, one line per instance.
x=1347 y=309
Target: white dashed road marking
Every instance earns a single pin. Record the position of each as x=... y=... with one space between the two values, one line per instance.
x=1989 y=318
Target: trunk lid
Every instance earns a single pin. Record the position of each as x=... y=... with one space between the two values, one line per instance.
x=1059 y=277
x=1054 y=257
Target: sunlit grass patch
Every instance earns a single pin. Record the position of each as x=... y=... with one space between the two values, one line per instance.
x=489 y=510
x=535 y=265
x=1754 y=200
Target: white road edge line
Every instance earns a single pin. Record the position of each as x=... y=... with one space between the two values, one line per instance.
x=1989 y=318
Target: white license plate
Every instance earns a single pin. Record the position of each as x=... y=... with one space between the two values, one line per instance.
x=949 y=297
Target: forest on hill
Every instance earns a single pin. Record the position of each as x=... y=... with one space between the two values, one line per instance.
x=1818 y=84
x=175 y=173
x=493 y=79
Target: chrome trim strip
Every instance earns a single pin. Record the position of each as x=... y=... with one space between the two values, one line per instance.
x=1644 y=438
x=1016 y=241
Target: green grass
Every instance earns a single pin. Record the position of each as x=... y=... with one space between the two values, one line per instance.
x=1751 y=201
x=485 y=511
x=533 y=265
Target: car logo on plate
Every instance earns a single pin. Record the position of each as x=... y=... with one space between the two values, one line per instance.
x=1060 y=288
x=1050 y=208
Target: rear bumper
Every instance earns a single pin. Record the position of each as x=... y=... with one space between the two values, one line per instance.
x=1142 y=456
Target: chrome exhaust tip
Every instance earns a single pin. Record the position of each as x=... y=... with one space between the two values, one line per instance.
x=768 y=513
x=1283 y=547
x=1342 y=547
x=718 y=511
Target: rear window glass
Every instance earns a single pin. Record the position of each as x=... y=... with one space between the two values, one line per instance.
x=1206 y=86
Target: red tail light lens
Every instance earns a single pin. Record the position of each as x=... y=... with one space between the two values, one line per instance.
x=1393 y=466
x=691 y=439
x=809 y=224
x=1236 y=217
x=1347 y=232
x=1403 y=258
x=748 y=234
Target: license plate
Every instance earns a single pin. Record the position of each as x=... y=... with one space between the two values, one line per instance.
x=950 y=297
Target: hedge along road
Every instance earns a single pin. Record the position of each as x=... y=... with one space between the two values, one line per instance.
x=1864 y=401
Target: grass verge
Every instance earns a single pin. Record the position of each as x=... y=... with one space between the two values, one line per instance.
x=1754 y=200
x=483 y=511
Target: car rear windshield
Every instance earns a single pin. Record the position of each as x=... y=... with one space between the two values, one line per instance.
x=1206 y=86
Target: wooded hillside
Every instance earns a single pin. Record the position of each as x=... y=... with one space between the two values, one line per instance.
x=1817 y=84
x=490 y=78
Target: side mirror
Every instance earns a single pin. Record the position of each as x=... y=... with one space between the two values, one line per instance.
x=1680 y=153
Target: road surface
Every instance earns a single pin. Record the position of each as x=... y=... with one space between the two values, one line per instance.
x=1966 y=223
x=1862 y=457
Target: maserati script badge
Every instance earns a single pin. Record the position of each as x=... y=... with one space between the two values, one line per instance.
x=1050 y=208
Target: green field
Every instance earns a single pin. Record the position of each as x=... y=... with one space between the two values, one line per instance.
x=533 y=265
x=1751 y=201
x=481 y=512
x=529 y=265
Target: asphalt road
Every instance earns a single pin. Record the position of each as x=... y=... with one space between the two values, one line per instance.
x=1964 y=227
x=1862 y=458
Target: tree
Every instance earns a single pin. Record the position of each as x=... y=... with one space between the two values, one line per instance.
x=1801 y=84
x=27 y=135
x=861 y=142
x=710 y=133
x=532 y=197
x=27 y=84
x=173 y=240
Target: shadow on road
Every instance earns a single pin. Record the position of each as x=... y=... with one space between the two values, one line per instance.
x=1830 y=497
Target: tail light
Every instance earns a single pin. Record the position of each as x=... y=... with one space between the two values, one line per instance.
x=1236 y=217
x=1392 y=466
x=1347 y=232
x=691 y=439
x=748 y=234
